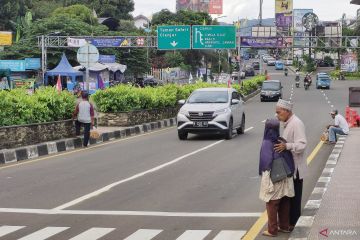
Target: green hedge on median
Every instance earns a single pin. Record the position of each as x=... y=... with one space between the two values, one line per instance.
x=124 y=98
x=17 y=107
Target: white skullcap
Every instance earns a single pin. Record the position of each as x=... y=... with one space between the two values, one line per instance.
x=285 y=104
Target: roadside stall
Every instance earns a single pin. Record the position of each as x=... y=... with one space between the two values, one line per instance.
x=69 y=76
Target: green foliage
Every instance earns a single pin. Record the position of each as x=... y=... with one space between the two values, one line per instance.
x=46 y=104
x=173 y=59
x=183 y=17
x=348 y=75
x=80 y=12
x=127 y=98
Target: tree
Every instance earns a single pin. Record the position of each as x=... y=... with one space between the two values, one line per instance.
x=119 y=9
x=136 y=61
x=10 y=10
x=173 y=59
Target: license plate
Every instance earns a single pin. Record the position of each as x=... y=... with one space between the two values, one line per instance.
x=200 y=124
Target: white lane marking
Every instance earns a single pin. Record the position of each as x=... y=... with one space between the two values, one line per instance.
x=128 y=213
x=263 y=121
x=194 y=235
x=327 y=98
x=44 y=233
x=93 y=234
x=4 y=230
x=230 y=235
x=250 y=128
x=144 y=234
x=108 y=187
x=329 y=102
x=332 y=106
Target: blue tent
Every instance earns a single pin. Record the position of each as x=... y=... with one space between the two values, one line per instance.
x=64 y=69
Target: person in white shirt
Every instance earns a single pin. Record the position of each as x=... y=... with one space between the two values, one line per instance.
x=340 y=126
x=295 y=136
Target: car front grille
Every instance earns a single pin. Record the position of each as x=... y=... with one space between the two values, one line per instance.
x=201 y=116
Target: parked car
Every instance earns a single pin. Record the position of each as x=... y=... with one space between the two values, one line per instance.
x=249 y=71
x=256 y=65
x=323 y=81
x=288 y=62
x=152 y=82
x=271 y=61
x=271 y=90
x=211 y=110
x=279 y=65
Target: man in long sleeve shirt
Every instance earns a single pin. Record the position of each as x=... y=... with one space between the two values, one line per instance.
x=294 y=134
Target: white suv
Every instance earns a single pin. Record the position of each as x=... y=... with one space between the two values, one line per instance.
x=211 y=110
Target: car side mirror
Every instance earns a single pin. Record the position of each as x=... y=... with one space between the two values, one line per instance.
x=235 y=101
x=181 y=102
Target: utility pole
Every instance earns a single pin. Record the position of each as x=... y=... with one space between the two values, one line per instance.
x=260 y=12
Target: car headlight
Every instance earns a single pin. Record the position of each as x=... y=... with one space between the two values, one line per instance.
x=221 y=111
x=184 y=112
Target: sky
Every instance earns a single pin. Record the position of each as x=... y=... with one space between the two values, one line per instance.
x=327 y=10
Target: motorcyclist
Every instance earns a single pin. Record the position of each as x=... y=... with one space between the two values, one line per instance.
x=307 y=80
x=286 y=71
x=297 y=76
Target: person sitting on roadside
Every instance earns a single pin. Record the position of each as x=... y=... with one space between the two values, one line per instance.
x=340 y=126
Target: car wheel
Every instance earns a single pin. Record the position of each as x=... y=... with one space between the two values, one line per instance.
x=241 y=129
x=182 y=135
x=229 y=133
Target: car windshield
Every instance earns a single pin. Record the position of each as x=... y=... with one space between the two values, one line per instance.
x=209 y=97
x=270 y=86
x=324 y=78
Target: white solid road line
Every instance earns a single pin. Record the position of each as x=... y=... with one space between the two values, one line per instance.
x=108 y=187
x=93 y=234
x=129 y=213
x=230 y=235
x=44 y=233
x=4 y=230
x=194 y=235
x=144 y=234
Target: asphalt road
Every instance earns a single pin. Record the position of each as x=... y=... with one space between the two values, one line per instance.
x=156 y=187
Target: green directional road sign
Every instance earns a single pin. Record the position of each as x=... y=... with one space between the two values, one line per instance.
x=174 y=37
x=213 y=37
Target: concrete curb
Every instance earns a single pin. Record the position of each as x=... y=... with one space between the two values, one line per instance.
x=48 y=148
x=305 y=222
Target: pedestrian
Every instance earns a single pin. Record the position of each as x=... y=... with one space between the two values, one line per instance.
x=294 y=134
x=4 y=84
x=340 y=126
x=276 y=195
x=84 y=115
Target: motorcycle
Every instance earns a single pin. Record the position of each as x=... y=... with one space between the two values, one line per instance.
x=306 y=85
x=286 y=71
x=297 y=83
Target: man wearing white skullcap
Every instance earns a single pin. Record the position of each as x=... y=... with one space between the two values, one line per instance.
x=294 y=134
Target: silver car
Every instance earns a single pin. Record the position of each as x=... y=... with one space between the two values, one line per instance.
x=211 y=110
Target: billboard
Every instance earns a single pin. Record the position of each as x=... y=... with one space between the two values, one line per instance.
x=349 y=62
x=298 y=15
x=300 y=37
x=283 y=13
x=5 y=38
x=216 y=7
x=208 y=6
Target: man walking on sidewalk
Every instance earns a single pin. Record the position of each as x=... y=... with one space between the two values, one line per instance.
x=84 y=115
x=340 y=126
x=294 y=134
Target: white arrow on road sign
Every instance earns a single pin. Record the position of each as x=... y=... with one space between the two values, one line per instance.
x=174 y=44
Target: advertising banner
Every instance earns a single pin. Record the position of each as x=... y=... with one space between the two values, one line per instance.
x=258 y=42
x=13 y=65
x=216 y=7
x=5 y=38
x=32 y=63
x=76 y=42
x=107 y=58
x=349 y=62
x=107 y=42
x=283 y=13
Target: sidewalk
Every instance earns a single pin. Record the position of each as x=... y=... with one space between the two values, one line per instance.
x=333 y=210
